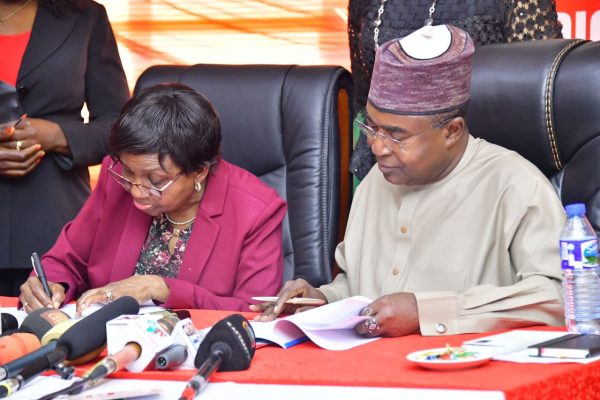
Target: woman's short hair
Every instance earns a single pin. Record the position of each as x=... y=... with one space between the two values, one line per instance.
x=169 y=120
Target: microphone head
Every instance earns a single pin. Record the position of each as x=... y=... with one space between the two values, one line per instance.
x=8 y=321
x=17 y=345
x=90 y=333
x=42 y=320
x=57 y=331
x=235 y=333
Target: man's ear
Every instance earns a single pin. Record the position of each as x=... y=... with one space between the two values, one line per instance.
x=454 y=130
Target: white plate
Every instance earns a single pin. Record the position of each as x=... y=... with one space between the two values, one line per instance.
x=419 y=358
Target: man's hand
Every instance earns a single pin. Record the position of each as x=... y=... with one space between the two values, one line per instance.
x=296 y=288
x=391 y=315
x=140 y=287
x=33 y=296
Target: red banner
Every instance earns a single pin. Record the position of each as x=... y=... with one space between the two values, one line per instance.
x=580 y=18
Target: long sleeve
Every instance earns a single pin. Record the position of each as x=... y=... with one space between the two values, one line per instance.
x=106 y=92
x=479 y=248
x=534 y=299
x=338 y=289
x=259 y=271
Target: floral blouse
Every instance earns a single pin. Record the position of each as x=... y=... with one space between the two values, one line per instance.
x=155 y=258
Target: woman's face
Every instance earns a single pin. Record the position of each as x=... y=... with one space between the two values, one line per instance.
x=145 y=170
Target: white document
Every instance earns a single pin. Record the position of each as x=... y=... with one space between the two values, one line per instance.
x=69 y=309
x=513 y=346
x=330 y=326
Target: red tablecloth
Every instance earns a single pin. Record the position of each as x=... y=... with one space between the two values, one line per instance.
x=383 y=363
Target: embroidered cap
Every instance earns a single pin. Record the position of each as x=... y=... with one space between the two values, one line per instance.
x=404 y=82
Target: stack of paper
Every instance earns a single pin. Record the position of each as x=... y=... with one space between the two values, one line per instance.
x=330 y=326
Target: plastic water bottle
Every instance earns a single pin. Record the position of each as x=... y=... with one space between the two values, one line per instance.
x=581 y=284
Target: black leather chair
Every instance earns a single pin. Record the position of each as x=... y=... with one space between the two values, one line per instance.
x=542 y=99
x=290 y=125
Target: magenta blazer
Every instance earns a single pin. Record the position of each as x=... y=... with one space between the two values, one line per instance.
x=234 y=251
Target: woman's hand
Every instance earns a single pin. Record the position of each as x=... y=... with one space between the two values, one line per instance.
x=34 y=131
x=17 y=163
x=140 y=287
x=296 y=288
x=33 y=296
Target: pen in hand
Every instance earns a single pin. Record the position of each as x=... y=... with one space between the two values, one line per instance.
x=20 y=120
x=39 y=271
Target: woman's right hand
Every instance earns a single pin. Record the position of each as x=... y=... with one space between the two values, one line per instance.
x=33 y=295
x=295 y=288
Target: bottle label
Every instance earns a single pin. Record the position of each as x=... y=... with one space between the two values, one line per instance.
x=579 y=254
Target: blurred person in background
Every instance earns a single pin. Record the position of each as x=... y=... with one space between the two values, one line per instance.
x=58 y=55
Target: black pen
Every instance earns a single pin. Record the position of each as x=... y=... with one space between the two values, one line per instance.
x=39 y=271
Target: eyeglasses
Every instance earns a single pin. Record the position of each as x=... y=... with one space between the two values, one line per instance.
x=148 y=191
x=392 y=142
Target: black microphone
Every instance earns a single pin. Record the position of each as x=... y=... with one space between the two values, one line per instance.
x=42 y=320
x=83 y=337
x=9 y=324
x=228 y=346
x=38 y=323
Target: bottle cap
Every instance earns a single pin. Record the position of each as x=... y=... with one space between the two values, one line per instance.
x=575 y=209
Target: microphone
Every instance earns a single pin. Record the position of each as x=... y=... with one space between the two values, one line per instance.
x=14 y=346
x=151 y=332
x=85 y=336
x=142 y=335
x=171 y=357
x=38 y=323
x=185 y=334
x=8 y=324
x=228 y=346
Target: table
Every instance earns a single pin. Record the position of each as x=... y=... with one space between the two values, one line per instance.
x=383 y=364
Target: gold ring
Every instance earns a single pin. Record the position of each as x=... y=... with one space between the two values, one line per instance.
x=19 y=144
x=25 y=305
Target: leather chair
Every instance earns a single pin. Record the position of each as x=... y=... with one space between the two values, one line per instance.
x=542 y=99
x=291 y=126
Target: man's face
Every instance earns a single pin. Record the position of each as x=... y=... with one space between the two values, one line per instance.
x=420 y=154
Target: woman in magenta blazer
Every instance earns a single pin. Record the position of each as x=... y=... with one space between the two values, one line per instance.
x=169 y=220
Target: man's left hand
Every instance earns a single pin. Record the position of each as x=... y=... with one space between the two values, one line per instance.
x=391 y=315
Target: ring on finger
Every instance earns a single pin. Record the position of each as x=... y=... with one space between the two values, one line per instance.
x=372 y=325
x=19 y=145
x=25 y=304
x=367 y=311
x=109 y=296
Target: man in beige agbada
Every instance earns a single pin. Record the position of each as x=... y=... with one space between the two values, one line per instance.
x=449 y=233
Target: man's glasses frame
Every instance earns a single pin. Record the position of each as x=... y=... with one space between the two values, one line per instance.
x=148 y=191
x=391 y=142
